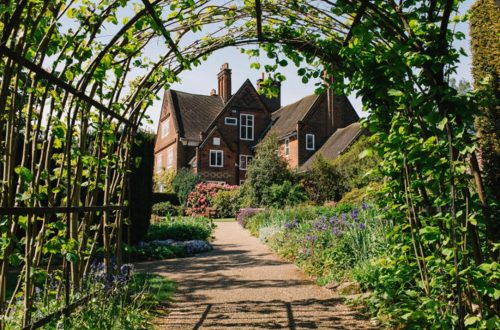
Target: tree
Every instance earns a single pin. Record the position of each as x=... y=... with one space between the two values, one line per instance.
x=184 y=182
x=267 y=168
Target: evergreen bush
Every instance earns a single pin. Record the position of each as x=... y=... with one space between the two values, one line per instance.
x=267 y=168
x=323 y=182
x=164 y=208
x=286 y=193
x=184 y=182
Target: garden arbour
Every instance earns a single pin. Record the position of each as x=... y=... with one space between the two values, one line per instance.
x=72 y=98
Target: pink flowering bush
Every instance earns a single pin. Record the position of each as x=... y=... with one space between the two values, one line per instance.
x=202 y=197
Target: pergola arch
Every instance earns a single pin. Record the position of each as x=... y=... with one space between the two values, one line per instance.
x=60 y=80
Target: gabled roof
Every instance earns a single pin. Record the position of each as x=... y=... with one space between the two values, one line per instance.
x=246 y=84
x=336 y=144
x=194 y=113
x=286 y=118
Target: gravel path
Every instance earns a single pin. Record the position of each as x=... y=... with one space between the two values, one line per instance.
x=243 y=285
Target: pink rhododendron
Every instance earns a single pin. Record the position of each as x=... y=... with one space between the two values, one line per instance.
x=200 y=198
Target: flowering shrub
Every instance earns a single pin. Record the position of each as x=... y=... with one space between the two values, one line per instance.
x=227 y=203
x=202 y=197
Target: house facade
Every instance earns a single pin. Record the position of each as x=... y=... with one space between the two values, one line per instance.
x=215 y=135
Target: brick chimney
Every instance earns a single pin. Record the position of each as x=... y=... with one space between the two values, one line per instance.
x=224 y=78
x=213 y=92
x=274 y=103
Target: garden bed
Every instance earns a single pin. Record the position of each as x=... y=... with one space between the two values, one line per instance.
x=329 y=243
x=174 y=237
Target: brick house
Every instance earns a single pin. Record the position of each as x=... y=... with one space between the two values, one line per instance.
x=215 y=135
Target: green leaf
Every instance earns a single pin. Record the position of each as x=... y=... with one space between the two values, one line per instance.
x=24 y=173
x=442 y=123
x=365 y=153
x=395 y=92
x=71 y=257
x=69 y=75
x=470 y=320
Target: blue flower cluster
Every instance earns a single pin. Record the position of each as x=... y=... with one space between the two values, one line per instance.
x=110 y=280
x=337 y=224
x=191 y=247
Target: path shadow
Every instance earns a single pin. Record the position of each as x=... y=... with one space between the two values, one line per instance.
x=276 y=314
x=208 y=271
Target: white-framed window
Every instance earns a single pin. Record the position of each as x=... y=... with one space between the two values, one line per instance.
x=216 y=141
x=216 y=158
x=170 y=157
x=245 y=161
x=159 y=163
x=310 y=142
x=246 y=128
x=231 y=121
x=287 y=147
x=165 y=128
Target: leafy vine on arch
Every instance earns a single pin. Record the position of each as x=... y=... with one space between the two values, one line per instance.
x=78 y=76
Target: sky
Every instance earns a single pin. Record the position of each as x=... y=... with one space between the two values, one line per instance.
x=203 y=78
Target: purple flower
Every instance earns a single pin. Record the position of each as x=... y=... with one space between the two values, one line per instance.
x=290 y=225
x=354 y=214
x=311 y=238
x=364 y=206
x=336 y=231
x=320 y=225
x=334 y=220
x=362 y=226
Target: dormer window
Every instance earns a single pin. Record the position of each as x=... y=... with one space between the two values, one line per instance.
x=246 y=128
x=310 y=142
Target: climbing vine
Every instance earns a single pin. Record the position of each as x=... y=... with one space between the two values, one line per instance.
x=78 y=76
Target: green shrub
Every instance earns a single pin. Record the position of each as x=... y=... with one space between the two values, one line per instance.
x=163 y=209
x=323 y=182
x=358 y=172
x=184 y=182
x=286 y=193
x=358 y=195
x=181 y=229
x=266 y=169
x=227 y=203
x=155 y=252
